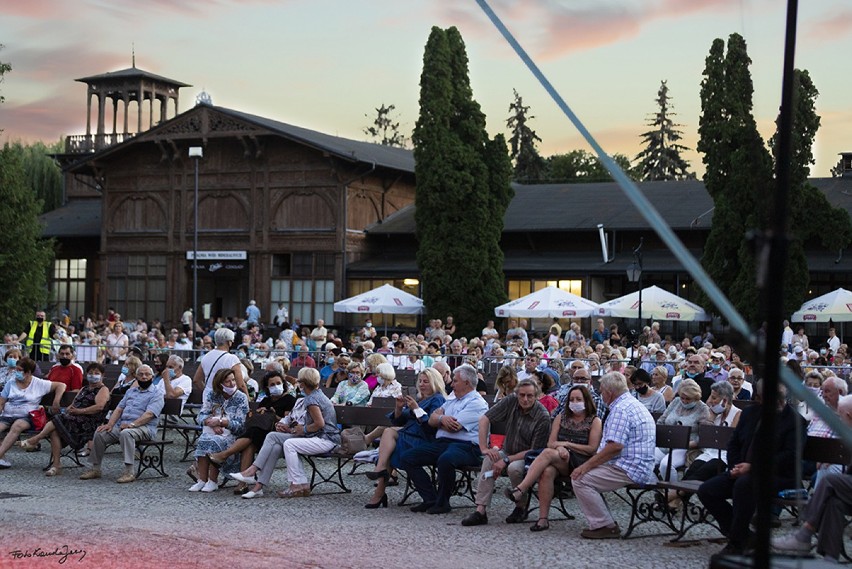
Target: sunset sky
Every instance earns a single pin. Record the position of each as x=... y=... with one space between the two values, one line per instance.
x=324 y=64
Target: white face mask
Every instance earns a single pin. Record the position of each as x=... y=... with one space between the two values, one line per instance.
x=718 y=408
x=229 y=390
x=577 y=407
x=380 y=381
x=276 y=390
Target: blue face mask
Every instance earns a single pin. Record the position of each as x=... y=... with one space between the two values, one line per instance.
x=125 y=370
x=716 y=367
x=93 y=378
x=171 y=373
x=19 y=375
x=689 y=405
x=691 y=375
x=11 y=362
x=330 y=361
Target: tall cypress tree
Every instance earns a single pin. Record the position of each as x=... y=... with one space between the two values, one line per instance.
x=834 y=230
x=462 y=190
x=738 y=173
x=661 y=159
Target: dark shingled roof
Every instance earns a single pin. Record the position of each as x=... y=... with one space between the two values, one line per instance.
x=354 y=150
x=77 y=218
x=578 y=207
x=130 y=73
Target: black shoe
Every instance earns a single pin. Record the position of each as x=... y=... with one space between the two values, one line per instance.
x=422 y=507
x=475 y=519
x=376 y=474
x=732 y=549
x=381 y=503
x=436 y=509
x=518 y=516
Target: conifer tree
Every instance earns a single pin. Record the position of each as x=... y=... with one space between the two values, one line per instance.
x=462 y=190
x=529 y=165
x=661 y=159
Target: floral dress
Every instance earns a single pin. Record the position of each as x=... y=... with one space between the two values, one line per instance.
x=235 y=409
x=76 y=430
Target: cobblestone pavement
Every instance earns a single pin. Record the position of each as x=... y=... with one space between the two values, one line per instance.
x=152 y=523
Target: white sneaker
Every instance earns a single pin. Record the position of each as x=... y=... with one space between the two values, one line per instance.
x=5 y=463
x=197 y=486
x=790 y=543
x=210 y=486
x=244 y=479
x=249 y=495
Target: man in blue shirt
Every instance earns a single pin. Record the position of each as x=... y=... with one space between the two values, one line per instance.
x=252 y=313
x=456 y=443
x=135 y=419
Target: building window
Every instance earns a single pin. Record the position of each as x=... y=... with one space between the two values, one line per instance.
x=136 y=286
x=308 y=289
x=68 y=286
x=519 y=288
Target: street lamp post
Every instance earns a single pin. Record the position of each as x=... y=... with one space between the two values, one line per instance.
x=634 y=274
x=197 y=153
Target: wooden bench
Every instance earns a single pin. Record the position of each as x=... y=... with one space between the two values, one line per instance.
x=346 y=415
x=670 y=437
x=818 y=450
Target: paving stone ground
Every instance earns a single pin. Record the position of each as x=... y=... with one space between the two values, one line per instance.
x=157 y=523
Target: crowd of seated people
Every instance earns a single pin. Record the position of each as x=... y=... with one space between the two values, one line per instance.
x=688 y=382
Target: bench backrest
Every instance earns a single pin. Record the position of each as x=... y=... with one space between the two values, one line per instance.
x=672 y=437
x=369 y=416
x=831 y=451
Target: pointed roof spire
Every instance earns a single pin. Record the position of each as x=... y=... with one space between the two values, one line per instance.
x=133 y=51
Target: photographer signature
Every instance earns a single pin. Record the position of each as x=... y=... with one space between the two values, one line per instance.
x=62 y=552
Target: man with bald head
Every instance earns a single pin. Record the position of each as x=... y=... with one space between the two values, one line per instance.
x=135 y=419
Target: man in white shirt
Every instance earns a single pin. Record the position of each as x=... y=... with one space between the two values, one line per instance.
x=787 y=336
x=489 y=332
x=172 y=383
x=833 y=341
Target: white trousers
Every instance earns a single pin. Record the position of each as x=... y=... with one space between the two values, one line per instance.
x=296 y=446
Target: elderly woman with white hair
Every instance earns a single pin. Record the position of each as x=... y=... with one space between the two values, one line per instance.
x=685 y=409
x=219 y=358
x=387 y=386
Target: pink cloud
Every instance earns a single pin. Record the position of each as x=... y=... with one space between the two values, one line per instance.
x=43 y=119
x=831 y=27
x=67 y=62
x=35 y=9
x=549 y=29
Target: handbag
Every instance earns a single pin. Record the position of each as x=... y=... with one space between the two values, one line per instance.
x=352 y=441
x=263 y=421
x=38 y=418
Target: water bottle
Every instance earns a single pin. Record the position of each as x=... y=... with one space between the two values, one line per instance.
x=793 y=494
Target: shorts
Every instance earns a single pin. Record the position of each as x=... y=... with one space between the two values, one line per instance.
x=9 y=420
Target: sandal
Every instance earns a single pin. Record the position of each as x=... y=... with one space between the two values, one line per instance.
x=214 y=461
x=241 y=489
x=538 y=526
x=27 y=446
x=300 y=493
x=53 y=471
x=513 y=493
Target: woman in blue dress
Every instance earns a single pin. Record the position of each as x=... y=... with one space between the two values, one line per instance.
x=223 y=416
x=412 y=428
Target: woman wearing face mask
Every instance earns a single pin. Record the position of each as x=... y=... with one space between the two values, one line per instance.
x=77 y=425
x=685 y=409
x=276 y=405
x=354 y=390
x=373 y=362
x=813 y=381
x=574 y=437
x=708 y=464
x=652 y=400
x=128 y=375
x=223 y=415
x=18 y=398
x=7 y=369
x=387 y=386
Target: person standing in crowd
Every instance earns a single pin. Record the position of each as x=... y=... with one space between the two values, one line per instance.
x=37 y=338
x=252 y=313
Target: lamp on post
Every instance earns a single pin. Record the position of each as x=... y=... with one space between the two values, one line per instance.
x=195 y=152
x=634 y=274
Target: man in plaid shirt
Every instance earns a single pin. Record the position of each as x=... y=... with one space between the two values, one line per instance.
x=625 y=456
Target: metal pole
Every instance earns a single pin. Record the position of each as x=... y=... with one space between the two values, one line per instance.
x=773 y=290
x=195 y=258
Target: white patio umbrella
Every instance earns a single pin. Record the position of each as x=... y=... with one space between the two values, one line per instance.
x=549 y=302
x=386 y=299
x=836 y=306
x=657 y=304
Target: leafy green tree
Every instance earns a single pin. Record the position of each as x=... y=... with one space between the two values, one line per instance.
x=462 y=190
x=834 y=230
x=529 y=165
x=384 y=129
x=738 y=173
x=583 y=167
x=25 y=256
x=661 y=159
x=43 y=175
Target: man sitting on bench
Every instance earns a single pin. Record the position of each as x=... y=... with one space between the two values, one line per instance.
x=135 y=419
